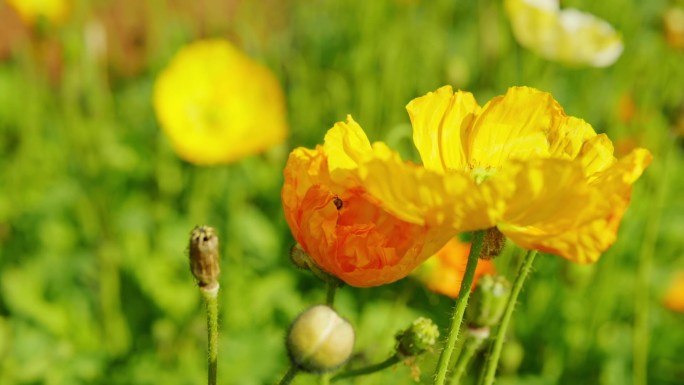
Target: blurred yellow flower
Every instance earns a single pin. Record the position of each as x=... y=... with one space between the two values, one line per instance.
x=673 y=24
x=568 y=36
x=674 y=296
x=31 y=11
x=443 y=272
x=344 y=228
x=546 y=180
x=217 y=105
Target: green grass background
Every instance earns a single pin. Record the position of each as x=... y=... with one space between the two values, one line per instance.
x=96 y=208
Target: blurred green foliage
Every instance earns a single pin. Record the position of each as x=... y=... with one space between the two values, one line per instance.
x=96 y=209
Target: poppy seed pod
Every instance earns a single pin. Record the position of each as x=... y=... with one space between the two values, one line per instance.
x=320 y=340
x=417 y=338
x=204 y=256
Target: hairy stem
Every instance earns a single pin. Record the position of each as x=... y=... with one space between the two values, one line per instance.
x=495 y=353
x=459 y=309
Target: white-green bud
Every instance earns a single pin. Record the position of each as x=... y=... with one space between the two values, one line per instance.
x=320 y=340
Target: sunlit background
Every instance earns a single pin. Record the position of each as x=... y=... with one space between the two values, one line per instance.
x=96 y=205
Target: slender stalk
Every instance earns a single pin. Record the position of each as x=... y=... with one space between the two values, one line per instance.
x=368 y=369
x=495 y=353
x=324 y=379
x=211 y=297
x=330 y=294
x=472 y=345
x=643 y=276
x=459 y=309
x=291 y=373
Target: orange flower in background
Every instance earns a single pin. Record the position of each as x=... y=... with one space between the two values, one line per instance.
x=217 y=105
x=346 y=231
x=443 y=272
x=674 y=296
x=32 y=11
x=546 y=180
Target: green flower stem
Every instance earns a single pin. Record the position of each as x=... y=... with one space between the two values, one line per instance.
x=330 y=294
x=642 y=295
x=291 y=373
x=369 y=369
x=324 y=379
x=459 y=309
x=472 y=345
x=495 y=353
x=211 y=297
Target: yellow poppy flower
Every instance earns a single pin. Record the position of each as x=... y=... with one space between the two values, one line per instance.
x=674 y=296
x=568 y=36
x=345 y=229
x=443 y=272
x=217 y=105
x=31 y=11
x=546 y=180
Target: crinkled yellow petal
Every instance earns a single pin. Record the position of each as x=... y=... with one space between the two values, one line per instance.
x=440 y=120
x=568 y=36
x=421 y=196
x=596 y=155
x=566 y=140
x=513 y=126
x=550 y=202
x=346 y=145
x=573 y=217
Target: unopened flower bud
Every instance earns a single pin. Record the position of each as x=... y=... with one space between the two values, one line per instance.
x=488 y=301
x=419 y=337
x=320 y=340
x=299 y=257
x=302 y=260
x=204 y=256
x=494 y=242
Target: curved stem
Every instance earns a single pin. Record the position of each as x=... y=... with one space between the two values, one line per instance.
x=493 y=360
x=368 y=369
x=211 y=297
x=472 y=345
x=291 y=373
x=459 y=309
x=330 y=294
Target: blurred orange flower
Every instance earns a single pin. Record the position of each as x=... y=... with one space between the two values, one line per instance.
x=346 y=230
x=674 y=296
x=32 y=11
x=546 y=180
x=217 y=105
x=443 y=272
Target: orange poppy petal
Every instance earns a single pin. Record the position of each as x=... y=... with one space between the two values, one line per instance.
x=439 y=121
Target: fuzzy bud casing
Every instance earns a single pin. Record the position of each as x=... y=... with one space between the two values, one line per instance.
x=419 y=337
x=320 y=340
x=204 y=256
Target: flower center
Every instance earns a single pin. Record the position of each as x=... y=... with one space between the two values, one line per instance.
x=480 y=174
